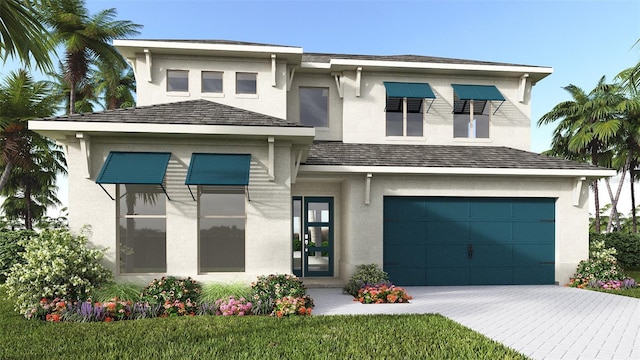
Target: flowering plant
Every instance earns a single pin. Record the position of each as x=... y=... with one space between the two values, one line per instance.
x=626 y=283
x=233 y=306
x=602 y=265
x=382 y=293
x=178 y=308
x=171 y=288
x=268 y=289
x=289 y=306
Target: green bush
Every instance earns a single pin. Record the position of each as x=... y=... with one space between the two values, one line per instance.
x=11 y=249
x=365 y=274
x=601 y=266
x=268 y=289
x=56 y=264
x=627 y=247
x=171 y=288
x=121 y=291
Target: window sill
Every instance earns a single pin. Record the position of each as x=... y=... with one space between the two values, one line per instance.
x=473 y=140
x=246 y=96
x=212 y=95
x=405 y=139
x=179 y=93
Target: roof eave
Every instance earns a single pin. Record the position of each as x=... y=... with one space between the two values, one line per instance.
x=59 y=130
x=587 y=173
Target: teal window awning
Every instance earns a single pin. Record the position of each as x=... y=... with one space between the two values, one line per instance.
x=409 y=90
x=134 y=168
x=477 y=92
x=218 y=170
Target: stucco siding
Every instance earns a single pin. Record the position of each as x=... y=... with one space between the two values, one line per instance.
x=269 y=99
x=267 y=234
x=363 y=224
x=364 y=116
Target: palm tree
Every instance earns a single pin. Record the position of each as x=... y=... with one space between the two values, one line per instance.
x=31 y=188
x=23 y=35
x=589 y=124
x=116 y=85
x=29 y=161
x=86 y=39
x=85 y=91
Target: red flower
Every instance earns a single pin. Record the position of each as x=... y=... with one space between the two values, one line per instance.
x=108 y=319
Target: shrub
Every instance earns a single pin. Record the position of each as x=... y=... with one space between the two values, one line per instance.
x=171 y=288
x=289 y=306
x=382 y=293
x=268 y=289
x=57 y=310
x=626 y=245
x=12 y=250
x=601 y=266
x=365 y=274
x=178 y=308
x=231 y=306
x=56 y=264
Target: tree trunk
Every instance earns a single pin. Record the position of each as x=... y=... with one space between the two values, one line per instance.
x=596 y=199
x=72 y=98
x=634 y=224
x=5 y=174
x=28 y=216
x=614 y=201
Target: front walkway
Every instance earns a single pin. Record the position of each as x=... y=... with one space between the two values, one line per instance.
x=542 y=322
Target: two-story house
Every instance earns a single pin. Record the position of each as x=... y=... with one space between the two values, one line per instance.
x=246 y=159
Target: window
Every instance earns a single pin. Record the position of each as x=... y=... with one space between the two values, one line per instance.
x=211 y=81
x=471 y=118
x=142 y=229
x=221 y=225
x=314 y=106
x=404 y=116
x=246 y=83
x=177 y=80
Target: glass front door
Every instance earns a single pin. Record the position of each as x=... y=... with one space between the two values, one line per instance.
x=312 y=236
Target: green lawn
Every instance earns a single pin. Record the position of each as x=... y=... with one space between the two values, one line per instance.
x=253 y=337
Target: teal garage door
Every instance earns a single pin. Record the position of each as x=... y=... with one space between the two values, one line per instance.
x=469 y=241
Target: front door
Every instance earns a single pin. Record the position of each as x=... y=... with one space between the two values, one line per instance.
x=312 y=236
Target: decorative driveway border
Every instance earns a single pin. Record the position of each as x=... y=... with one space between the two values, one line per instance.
x=542 y=322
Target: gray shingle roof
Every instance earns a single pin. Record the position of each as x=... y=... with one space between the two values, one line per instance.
x=193 y=112
x=326 y=58
x=492 y=157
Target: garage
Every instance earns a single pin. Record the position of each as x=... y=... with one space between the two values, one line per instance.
x=469 y=241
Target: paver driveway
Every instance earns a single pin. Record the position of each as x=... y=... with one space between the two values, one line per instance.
x=542 y=322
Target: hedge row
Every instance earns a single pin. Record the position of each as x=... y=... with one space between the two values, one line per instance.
x=626 y=245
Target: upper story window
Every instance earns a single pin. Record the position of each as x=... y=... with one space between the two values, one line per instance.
x=314 y=106
x=142 y=229
x=405 y=108
x=246 y=83
x=472 y=110
x=221 y=228
x=212 y=81
x=178 y=80
x=404 y=117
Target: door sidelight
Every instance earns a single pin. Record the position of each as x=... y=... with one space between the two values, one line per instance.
x=470 y=251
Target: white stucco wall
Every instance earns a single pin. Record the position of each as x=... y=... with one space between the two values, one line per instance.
x=364 y=116
x=362 y=225
x=268 y=224
x=269 y=100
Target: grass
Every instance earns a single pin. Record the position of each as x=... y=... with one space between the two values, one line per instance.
x=123 y=291
x=252 y=337
x=214 y=291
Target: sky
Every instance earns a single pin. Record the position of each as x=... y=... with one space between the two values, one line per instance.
x=581 y=40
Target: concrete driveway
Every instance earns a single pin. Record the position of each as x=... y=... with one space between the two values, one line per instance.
x=542 y=322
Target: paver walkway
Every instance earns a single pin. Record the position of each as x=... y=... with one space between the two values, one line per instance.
x=542 y=322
